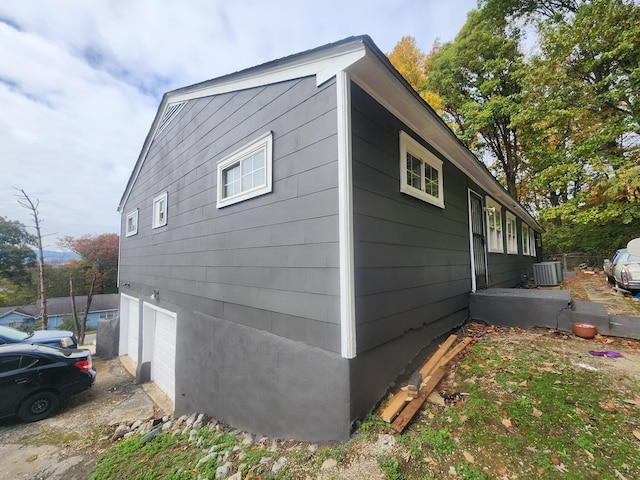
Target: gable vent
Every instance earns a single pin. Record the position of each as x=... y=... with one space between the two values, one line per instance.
x=169 y=114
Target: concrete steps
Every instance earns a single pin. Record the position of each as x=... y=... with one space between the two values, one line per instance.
x=547 y=308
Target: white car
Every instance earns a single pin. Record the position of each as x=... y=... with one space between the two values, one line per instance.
x=623 y=269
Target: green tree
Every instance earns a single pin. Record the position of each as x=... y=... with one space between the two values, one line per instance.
x=478 y=78
x=16 y=254
x=529 y=9
x=583 y=121
x=57 y=278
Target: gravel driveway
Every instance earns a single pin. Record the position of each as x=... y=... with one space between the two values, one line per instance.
x=67 y=444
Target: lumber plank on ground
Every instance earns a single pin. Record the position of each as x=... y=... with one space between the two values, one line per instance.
x=428 y=368
x=395 y=405
x=412 y=408
x=398 y=401
x=454 y=351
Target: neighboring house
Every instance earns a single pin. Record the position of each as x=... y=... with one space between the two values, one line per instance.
x=102 y=306
x=16 y=316
x=294 y=234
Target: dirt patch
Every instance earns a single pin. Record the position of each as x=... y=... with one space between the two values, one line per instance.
x=67 y=444
x=591 y=286
x=571 y=349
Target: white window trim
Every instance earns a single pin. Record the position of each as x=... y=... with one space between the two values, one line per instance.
x=263 y=142
x=495 y=237
x=133 y=216
x=512 y=242
x=525 y=239
x=157 y=222
x=409 y=144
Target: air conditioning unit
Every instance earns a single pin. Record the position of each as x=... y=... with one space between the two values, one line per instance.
x=547 y=273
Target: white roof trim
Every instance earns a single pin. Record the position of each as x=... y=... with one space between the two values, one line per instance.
x=323 y=64
x=323 y=69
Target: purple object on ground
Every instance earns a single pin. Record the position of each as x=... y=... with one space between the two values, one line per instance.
x=606 y=353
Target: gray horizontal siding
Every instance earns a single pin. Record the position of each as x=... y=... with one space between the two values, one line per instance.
x=270 y=262
x=412 y=263
x=509 y=270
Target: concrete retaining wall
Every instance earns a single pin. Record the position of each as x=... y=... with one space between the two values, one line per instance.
x=547 y=308
x=521 y=307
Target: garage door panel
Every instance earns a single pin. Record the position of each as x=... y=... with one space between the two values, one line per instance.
x=130 y=308
x=164 y=352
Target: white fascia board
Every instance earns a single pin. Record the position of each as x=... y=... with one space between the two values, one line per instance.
x=376 y=79
x=323 y=67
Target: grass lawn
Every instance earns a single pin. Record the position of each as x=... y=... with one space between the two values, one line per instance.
x=536 y=405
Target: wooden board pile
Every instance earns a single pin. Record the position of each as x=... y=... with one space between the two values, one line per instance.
x=405 y=404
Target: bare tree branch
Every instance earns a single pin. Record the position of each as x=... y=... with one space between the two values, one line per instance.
x=27 y=203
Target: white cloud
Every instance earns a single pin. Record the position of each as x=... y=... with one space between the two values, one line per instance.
x=80 y=81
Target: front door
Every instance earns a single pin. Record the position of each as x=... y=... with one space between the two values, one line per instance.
x=478 y=253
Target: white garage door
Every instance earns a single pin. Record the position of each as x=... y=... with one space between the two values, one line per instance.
x=129 y=323
x=134 y=328
x=163 y=363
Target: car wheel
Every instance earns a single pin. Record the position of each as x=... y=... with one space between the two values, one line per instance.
x=609 y=279
x=38 y=406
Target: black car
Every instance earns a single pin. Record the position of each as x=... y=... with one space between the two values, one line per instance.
x=54 y=338
x=34 y=378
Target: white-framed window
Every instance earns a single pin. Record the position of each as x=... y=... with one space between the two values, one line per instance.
x=131 y=225
x=494 y=226
x=246 y=173
x=525 y=239
x=512 y=234
x=532 y=243
x=420 y=172
x=159 y=211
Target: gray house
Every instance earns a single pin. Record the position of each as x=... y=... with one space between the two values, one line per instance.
x=295 y=233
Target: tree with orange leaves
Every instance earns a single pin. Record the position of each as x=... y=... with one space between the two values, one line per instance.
x=99 y=257
x=415 y=65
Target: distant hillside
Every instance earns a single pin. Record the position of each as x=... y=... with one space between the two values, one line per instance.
x=52 y=257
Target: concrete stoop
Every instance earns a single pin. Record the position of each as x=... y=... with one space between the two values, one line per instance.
x=547 y=308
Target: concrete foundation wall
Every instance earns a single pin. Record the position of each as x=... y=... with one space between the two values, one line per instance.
x=260 y=382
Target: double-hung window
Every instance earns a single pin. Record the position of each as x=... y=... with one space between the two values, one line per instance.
x=159 y=211
x=131 y=226
x=512 y=234
x=494 y=226
x=532 y=243
x=246 y=173
x=525 y=239
x=420 y=172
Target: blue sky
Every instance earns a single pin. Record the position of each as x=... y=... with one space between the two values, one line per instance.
x=81 y=80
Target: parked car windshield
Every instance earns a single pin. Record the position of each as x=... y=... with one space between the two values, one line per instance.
x=13 y=334
x=626 y=258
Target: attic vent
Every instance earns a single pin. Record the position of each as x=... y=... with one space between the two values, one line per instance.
x=169 y=113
